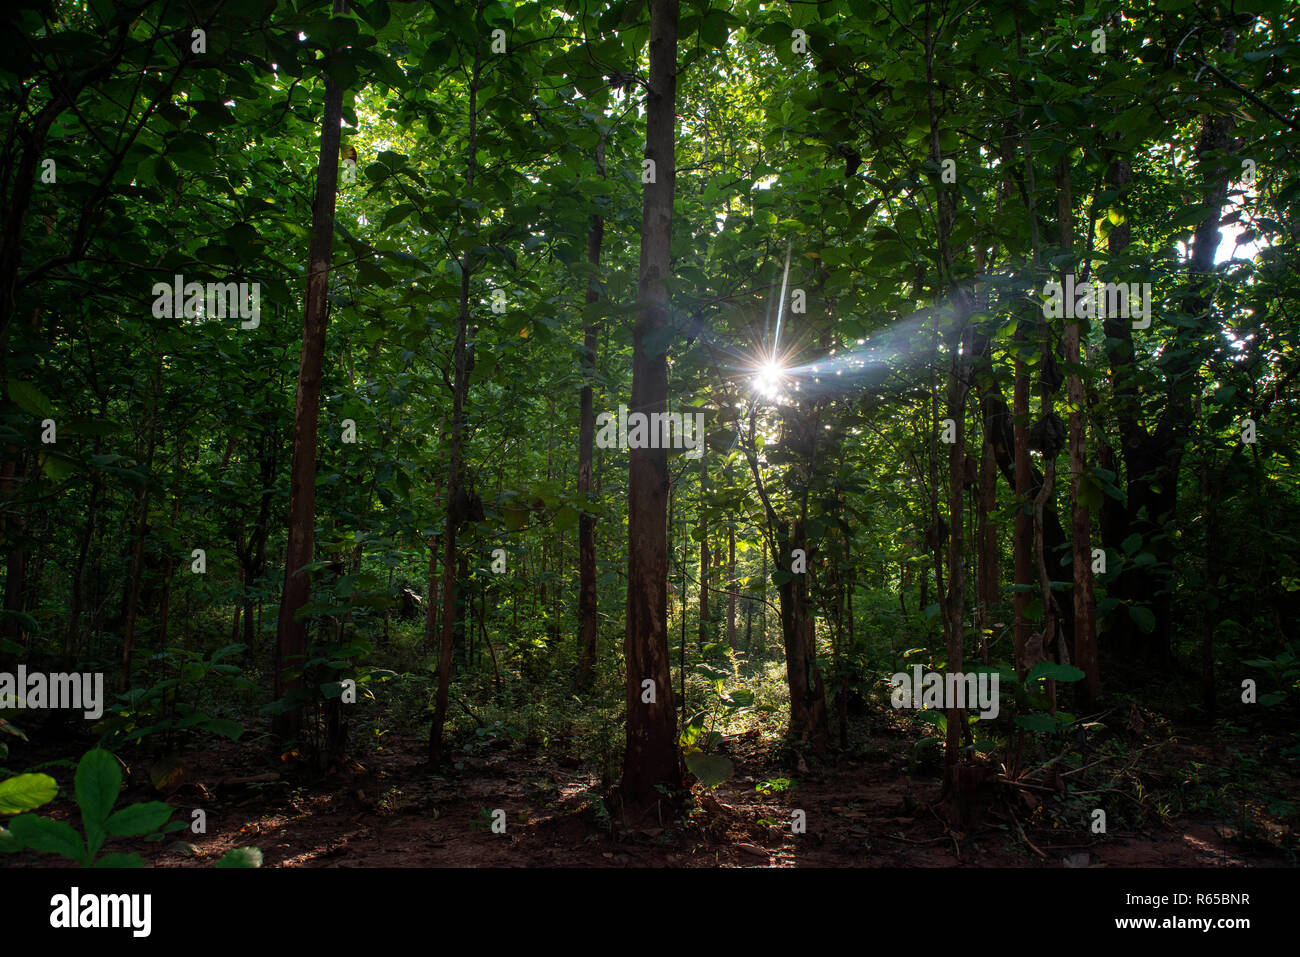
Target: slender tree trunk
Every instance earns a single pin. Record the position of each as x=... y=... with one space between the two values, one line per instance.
x=431 y=604
x=457 y=496
x=704 y=555
x=1024 y=532
x=587 y=611
x=141 y=532
x=72 y=639
x=987 y=567
x=1211 y=604
x=955 y=602
x=651 y=758
x=1085 y=625
x=291 y=634
x=731 y=587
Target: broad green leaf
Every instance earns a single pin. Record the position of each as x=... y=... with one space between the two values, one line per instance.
x=1050 y=669
x=98 y=782
x=30 y=399
x=1143 y=617
x=25 y=792
x=710 y=769
x=46 y=836
x=136 y=819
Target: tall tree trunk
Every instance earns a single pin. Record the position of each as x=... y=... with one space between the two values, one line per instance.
x=431 y=602
x=704 y=555
x=731 y=586
x=1210 y=613
x=986 y=534
x=291 y=634
x=1024 y=529
x=72 y=639
x=808 y=724
x=1085 y=624
x=955 y=611
x=587 y=611
x=651 y=757
x=141 y=532
x=457 y=495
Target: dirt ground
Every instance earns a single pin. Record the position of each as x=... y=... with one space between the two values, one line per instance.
x=391 y=812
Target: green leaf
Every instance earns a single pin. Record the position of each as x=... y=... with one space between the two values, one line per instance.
x=98 y=782
x=119 y=860
x=1144 y=618
x=136 y=819
x=25 y=792
x=58 y=466
x=241 y=857
x=8 y=843
x=1050 y=669
x=48 y=837
x=30 y=399
x=710 y=769
x=1037 y=722
x=739 y=699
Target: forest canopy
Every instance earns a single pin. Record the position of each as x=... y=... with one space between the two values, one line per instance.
x=655 y=385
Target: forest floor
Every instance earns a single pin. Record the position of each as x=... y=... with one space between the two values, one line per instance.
x=861 y=811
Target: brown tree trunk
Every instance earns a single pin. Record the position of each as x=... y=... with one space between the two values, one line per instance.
x=704 y=555
x=1211 y=604
x=431 y=589
x=955 y=611
x=987 y=566
x=731 y=587
x=1024 y=530
x=291 y=634
x=808 y=723
x=587 y=611
x=651 y=758
x=1085 y=624
x=457 y=495
x=141 y=532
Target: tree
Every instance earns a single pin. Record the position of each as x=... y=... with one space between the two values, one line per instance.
x=291 y=632
x=651 y=758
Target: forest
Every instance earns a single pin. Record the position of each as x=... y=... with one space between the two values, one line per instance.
x=649 y=433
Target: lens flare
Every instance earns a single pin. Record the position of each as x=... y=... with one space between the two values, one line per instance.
x=767 y=382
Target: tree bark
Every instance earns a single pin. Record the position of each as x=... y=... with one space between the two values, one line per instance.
x=1085 y=625
x=651 y=758
x=587 y=594
x=731 y=587
x=457 y=496
x=291 y=634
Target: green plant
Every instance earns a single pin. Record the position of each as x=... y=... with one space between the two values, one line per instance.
x=98 y=782
x=1283 y=670
x=698 y=743
x=161 y=708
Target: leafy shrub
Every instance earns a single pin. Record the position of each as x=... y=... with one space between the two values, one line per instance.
x=98 y=783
